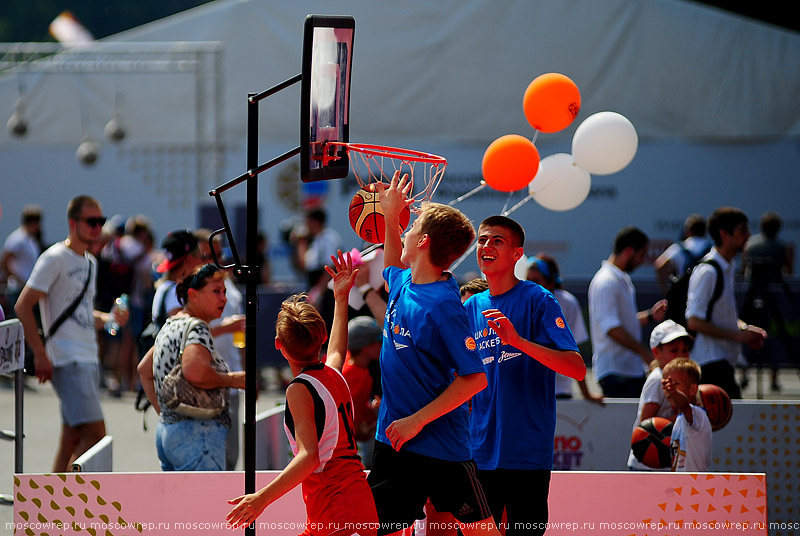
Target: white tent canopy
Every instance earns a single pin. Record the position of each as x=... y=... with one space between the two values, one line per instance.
x=449 y=76
x=456 y=69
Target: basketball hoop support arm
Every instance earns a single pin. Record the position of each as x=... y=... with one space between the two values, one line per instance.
x=249 y=272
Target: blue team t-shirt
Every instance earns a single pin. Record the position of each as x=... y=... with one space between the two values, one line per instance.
x=426 y=338
x=513 y=420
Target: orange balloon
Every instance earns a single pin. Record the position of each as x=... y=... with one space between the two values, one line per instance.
x=510 y=163
x=551 y=102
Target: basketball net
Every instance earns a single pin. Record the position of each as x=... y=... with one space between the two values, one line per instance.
x=378 y=163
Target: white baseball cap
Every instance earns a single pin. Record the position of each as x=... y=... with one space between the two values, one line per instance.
x=667 y=331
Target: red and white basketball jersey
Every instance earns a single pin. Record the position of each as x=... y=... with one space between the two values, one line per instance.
x=336 y=493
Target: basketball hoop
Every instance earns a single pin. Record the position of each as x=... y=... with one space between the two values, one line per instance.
x=377 y=163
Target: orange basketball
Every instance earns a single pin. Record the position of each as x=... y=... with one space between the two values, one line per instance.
x=650 y=442
x=717 y=404
x=366 y=216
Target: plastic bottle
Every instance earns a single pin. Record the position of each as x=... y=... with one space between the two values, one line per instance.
x=120 y=304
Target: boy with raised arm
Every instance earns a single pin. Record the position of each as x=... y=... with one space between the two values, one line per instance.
x=337 y=497
x=523 y=340
x=429 y=370
x=691 y=433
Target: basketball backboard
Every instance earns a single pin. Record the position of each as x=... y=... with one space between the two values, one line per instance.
x=325 y=96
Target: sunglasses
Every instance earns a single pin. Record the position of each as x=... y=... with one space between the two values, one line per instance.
x=94 y=222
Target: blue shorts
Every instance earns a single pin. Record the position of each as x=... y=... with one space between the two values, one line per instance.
x=191 y=445
x=76 y=385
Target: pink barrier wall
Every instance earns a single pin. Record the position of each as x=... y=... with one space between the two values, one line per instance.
x=177 y=504
x=633 y=503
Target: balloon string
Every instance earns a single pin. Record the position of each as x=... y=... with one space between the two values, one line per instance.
x=535 y=135
x=518 y=205
x=505 y=206
x=468 y=194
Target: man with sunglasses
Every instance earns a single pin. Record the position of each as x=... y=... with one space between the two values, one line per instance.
x=64 y=279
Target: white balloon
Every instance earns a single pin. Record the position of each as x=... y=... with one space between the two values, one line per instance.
x=605 y=143
x=560 y=184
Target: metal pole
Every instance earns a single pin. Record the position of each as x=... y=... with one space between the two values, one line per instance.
x=251 y=304
x=249 y=273
x=19 y=388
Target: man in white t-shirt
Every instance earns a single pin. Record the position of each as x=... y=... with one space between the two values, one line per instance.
x=620 y=360
x=19 y=254
x=69 y=357
x=720 y=332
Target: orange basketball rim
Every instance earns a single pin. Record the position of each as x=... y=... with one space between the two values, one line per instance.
x=377 y=163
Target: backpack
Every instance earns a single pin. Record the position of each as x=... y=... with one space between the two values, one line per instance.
x=678 y=293
x=691 y=258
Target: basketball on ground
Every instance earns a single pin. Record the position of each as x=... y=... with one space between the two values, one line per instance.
x=650 y=442
x=366 y=216
x=717 y=404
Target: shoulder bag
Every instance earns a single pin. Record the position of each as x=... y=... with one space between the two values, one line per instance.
x=184 y=398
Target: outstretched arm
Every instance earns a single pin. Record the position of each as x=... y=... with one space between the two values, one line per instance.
x=567 y=362
x=343 y=275
x=394 y=199
x=588 y=395
x=249 y=507
x=621 y=336
x=680 y=399
x=752 y=336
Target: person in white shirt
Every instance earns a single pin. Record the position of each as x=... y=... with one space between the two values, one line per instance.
x=721 y=333
x=314 y=250
x=620 y=360
x=543 y=270
x=20 y=251
x=668 y=340
x=691 y=433
x=69 y=358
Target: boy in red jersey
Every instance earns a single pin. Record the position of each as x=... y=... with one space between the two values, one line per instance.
x=318 y=422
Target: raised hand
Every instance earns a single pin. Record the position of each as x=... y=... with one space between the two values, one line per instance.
x=394 y=197
x=502 y=326
x=342 y=273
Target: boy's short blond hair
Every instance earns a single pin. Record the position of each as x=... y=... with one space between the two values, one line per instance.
x=690 y=367
x=449 y=230
x=301 y=329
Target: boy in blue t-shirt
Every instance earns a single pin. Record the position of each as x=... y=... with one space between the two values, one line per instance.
x=523 y=340
x=429 y=370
